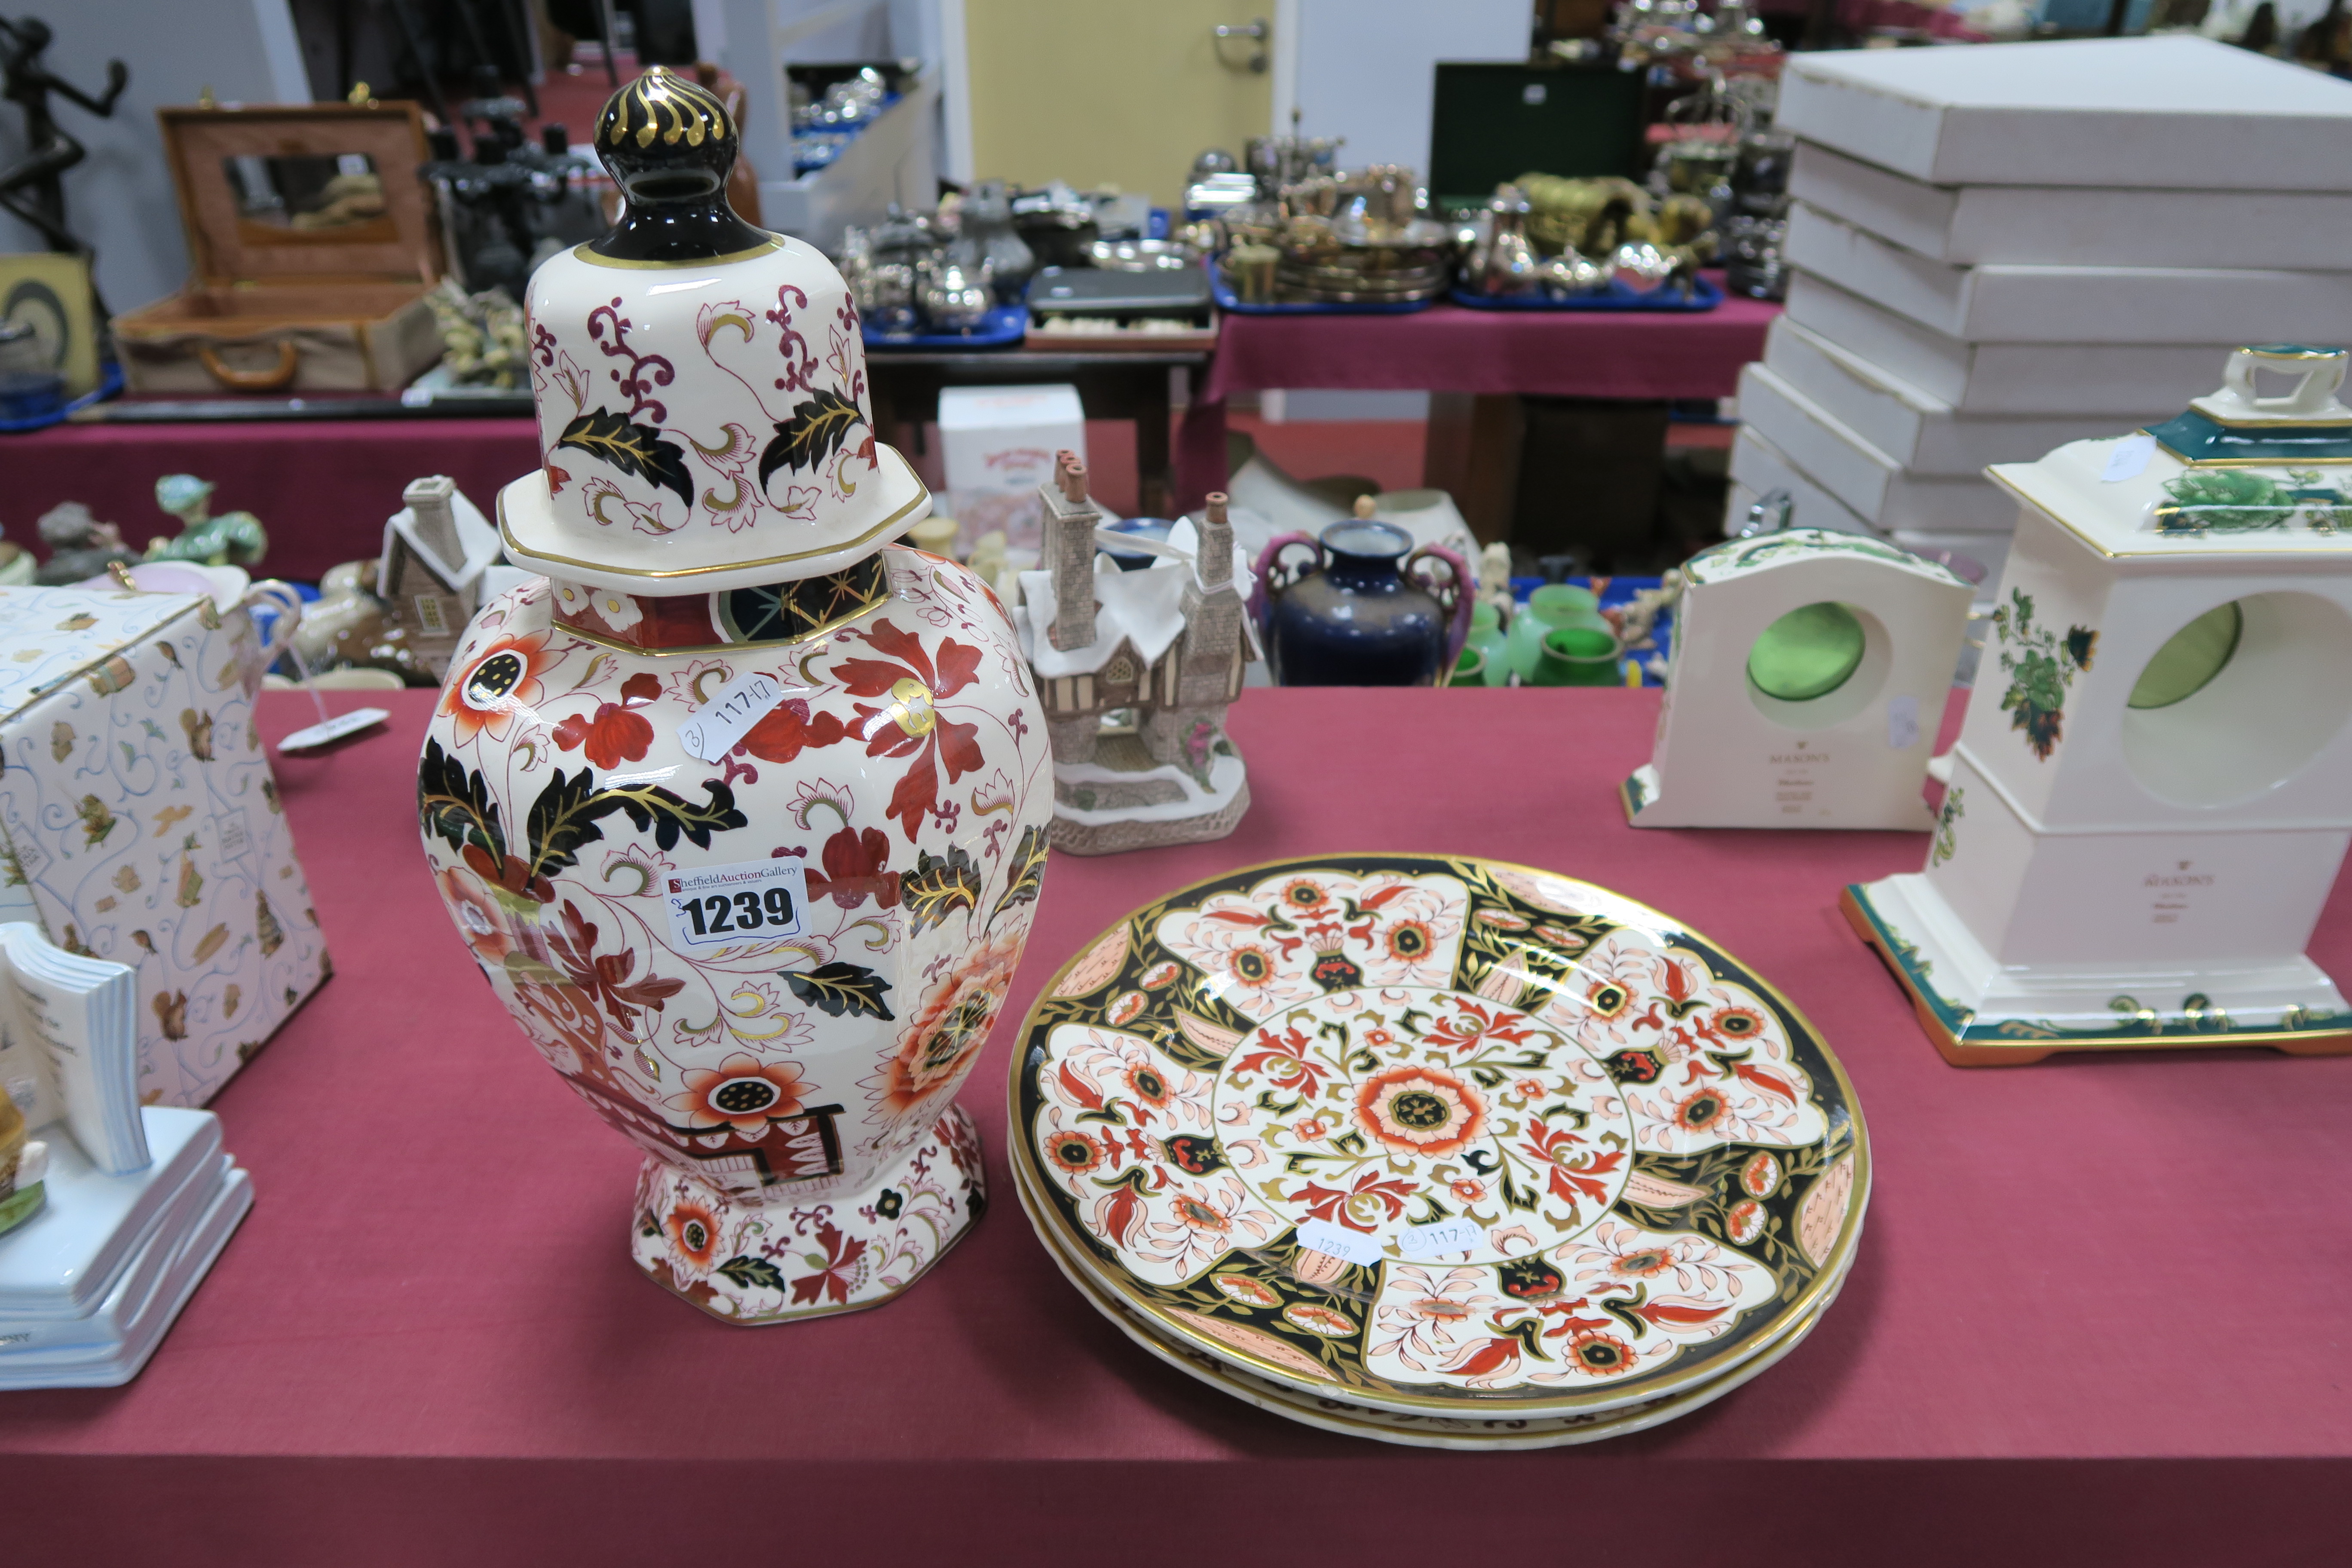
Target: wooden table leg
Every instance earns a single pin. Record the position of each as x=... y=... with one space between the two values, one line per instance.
x=1154 y=475
x=1473 y=454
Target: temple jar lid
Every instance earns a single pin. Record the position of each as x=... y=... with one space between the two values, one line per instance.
x=704 y=422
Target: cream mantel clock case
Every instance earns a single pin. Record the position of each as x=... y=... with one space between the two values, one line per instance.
x=2152 y=790
x=1809 y=676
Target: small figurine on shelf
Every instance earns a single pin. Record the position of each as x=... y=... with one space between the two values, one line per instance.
x=1136 y=671
x=80 y=547
x=349 y=627
x=1494 y=580
x=232 y=539
x=481 y=336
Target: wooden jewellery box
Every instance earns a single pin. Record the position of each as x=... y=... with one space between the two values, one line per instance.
x=312 y=240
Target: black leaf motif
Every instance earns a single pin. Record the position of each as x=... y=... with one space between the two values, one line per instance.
x=635 y=449
x=455 y=803
x=671 y=815
x=815 y=432
x=1028 y=872
x=839 y=989
x=749 y=1272
x=563 y=818
x=939 y=887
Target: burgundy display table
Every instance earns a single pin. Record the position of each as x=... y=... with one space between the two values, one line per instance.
x=1643 y=355
x=2098 y=1315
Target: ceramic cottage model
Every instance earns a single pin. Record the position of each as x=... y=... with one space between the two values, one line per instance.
x=1808 y=673
x=743 y=809
x=2149 y=797
x=1136 y=671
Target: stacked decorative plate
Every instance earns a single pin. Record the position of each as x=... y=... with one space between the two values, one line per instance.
x=1439 y=1152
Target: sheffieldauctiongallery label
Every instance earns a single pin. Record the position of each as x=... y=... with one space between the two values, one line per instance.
x=753 y=901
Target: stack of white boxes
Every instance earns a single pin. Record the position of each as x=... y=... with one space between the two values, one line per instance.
x=2004 y=248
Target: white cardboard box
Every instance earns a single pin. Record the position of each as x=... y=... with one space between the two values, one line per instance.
x=2079 y=379
x=2168 y=113
x=2069 y=225
x=2005 y=303
x=998 y=443
x=1921 y=432
x=1881 y=492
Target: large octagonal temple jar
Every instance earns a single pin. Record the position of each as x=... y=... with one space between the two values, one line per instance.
x=742 y=808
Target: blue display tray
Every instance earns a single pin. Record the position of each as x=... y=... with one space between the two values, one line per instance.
x=1228 y=301
x=1004 y=327
x=1706 y=296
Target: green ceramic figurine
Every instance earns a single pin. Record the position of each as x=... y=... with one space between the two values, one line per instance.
x=232 y=539
x=23 y=1163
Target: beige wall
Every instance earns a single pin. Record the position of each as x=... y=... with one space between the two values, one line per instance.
x=1118 y=92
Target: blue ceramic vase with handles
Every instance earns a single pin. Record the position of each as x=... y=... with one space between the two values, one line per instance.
x=1360 y=606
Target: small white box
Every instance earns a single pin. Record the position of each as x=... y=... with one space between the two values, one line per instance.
x=2001 y=303
x=2170 y=112
x=2072 y=226
x=998 y=443
x=1921 y=432
x=1881 y=492
x=2077 y=379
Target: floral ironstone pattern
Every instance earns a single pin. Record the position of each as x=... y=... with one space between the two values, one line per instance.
x=792 y=1089
x=1558 y=1152
x=2041 y=666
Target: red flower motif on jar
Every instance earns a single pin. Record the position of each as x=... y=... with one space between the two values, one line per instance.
x=614 y=734
x=489 y=929
x=742 y=1092
x=693 y=1230
x=502 y=682
x=909 y=725
x=1421 y=1110
x=856 y=869
x=950 y=1030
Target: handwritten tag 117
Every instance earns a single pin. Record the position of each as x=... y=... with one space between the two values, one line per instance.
x=714 y=728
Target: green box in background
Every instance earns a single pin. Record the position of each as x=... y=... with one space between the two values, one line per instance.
x=1491 y=123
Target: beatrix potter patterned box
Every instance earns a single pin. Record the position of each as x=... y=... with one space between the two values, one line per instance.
x=139 y=821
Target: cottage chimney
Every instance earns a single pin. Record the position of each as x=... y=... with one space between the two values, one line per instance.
x=437 y=521
x=1215 y=566
x=1070 y=519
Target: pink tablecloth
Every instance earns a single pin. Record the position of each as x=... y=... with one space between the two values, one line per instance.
x=322 y=487
x=2098 y=1315
x=1644 y=355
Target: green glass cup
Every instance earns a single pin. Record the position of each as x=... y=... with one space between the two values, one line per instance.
x=1808 y=653
x=1470 y=669
x=1578 y=656
x=1548 y=609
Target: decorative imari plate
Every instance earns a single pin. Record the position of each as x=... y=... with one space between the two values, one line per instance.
x=1421 y=1430
x=1439 y=1136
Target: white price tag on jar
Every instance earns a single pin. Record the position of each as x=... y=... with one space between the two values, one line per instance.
x=753 y=901
x=1347 y=1246
x=715 y=727
x=2128 y=458
x=1444 y=1237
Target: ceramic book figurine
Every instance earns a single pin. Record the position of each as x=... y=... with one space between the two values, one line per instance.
x=1136 y=671
x=742 y=808
x=2149 y=799
x=1808 y=676
x=69 y=1046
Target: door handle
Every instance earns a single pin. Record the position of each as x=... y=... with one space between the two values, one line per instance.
x=1257 y=32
